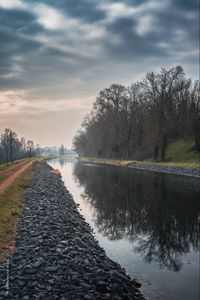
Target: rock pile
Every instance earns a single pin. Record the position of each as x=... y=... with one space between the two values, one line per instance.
x=56 y=255
x=167 y=169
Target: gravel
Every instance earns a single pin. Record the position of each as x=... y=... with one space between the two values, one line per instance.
x=165 y=169
x=56 y=255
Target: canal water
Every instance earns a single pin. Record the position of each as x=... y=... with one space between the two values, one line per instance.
x=148 y=222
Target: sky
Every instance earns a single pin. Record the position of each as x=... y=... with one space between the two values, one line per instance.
x=55 y=56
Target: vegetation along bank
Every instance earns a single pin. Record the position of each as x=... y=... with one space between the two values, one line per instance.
x=14 y=179
x=181 y=160
x=141 y=121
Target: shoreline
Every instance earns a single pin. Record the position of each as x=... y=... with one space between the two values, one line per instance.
x=194 y=173
x=151 y=167
x=56 y=253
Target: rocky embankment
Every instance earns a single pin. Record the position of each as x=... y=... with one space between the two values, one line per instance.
x=165 y=169
x=56 y=255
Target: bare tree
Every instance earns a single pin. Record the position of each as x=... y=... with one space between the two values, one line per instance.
x=30 y=147
x=140 y=121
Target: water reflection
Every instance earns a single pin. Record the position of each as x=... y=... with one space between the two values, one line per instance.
x=159 y=212
x=62 y=162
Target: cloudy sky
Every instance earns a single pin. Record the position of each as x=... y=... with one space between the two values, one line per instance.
x=55 y=56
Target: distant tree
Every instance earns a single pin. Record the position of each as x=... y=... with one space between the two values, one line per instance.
x=12 y=148
x=5 y=141
x=8 y=140
x=195 y=114
x=23 y=152
x=30 y=147
x=14 y=145
x=62 y=150
x=38 y=150
x=1 y=154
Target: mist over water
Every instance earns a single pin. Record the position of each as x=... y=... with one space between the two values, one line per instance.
x=148 y=222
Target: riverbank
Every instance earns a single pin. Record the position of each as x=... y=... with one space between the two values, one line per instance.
x=15 y=180
x=56 y=255
x=163 y=167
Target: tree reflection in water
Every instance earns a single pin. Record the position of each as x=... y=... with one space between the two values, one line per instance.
x=158 y=211
x=62 y=162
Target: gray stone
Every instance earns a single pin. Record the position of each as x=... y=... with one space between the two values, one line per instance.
x=60 y=258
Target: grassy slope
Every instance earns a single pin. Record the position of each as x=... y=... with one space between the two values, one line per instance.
x=10 y=210
x=179 y=152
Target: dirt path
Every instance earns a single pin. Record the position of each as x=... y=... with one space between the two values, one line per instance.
x=13 y=167
x=10 y=179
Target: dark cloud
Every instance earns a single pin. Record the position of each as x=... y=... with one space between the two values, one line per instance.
x=20 y=30
x=72 y=49
x=32 y=55
x=16 y=19
x=84 y=9
x=191 y=5
x=132 y=45
x=123 y=26
x=13 y=52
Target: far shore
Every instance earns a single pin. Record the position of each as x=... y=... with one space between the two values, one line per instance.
x=179 y=168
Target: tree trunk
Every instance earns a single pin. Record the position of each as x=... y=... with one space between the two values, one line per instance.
x=163 y=147
x=156 y=152
x=197 y=137
x=6 y=154
x=11 y=147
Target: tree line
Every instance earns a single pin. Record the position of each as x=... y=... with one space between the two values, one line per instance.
x=140 y=121
x=13 y=148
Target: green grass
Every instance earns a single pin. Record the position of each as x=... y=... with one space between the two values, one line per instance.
x=7 y=166
x=179 y=152
x=10 y=211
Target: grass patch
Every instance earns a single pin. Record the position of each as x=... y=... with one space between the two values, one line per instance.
x=7 y=166
x=180 y=151
x=190 y=165
x=11 y=203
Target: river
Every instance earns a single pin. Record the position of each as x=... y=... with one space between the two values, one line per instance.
x=148 y=222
